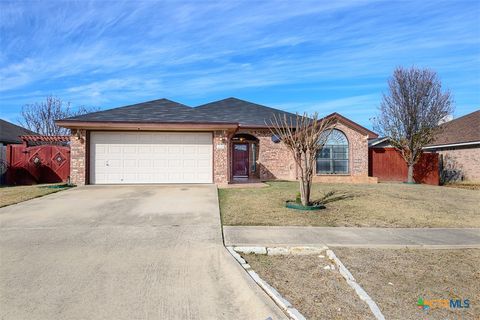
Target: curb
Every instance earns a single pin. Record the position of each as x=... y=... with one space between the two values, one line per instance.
x=271 y=251
x=283 y=303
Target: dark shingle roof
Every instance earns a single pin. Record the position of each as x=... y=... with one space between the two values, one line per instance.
x=241 y=111
x=9 y=132
x=229 y=110
x=162 y=110
x=460 y=130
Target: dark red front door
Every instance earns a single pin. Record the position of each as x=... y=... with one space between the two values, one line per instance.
x=240 y=160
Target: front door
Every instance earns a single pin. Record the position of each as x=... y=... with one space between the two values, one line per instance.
x=240 y=160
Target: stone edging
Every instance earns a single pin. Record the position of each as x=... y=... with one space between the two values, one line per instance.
x=362 y=294
x=269 y=290
x=282 y=302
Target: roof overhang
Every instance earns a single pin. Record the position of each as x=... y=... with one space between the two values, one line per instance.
x=460 y=144
x=377 y=142
x=148 y=126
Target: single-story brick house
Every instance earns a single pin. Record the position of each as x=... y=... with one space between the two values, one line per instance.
x=458 y=145
x=225 y=141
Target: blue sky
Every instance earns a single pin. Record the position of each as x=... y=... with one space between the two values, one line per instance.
x=309 y=56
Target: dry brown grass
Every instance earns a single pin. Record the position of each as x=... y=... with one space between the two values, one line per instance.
x=464 y=185
x=12 y=195
x=371 y=205
x=430 y=274
x=317 y=293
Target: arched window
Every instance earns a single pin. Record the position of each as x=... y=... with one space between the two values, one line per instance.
x=333 y=158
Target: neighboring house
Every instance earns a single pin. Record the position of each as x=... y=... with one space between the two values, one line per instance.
x=458 y=144
x=226 y=141
x=10 y=133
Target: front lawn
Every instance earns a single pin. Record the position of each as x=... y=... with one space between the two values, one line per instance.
x=367 y=205
x=396 y=279
x=12 y=195
x=464 y=185
x=314 y=291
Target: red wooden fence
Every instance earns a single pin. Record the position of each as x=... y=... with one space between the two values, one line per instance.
x=388 y=165
x=37 y=164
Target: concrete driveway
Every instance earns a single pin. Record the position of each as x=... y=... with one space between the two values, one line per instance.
x=123 y=252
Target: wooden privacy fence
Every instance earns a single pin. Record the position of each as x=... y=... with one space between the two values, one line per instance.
x=388 y=165
x=45 y=160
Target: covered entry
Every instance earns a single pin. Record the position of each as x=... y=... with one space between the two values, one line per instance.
x=244 y=156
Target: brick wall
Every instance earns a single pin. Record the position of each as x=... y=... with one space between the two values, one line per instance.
x=221 y=157
x=78 y=151
x=275 y=161
x=358 y=159
x=467 y=160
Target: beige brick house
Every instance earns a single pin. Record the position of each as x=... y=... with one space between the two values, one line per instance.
x=226 y=141
x=458 y=145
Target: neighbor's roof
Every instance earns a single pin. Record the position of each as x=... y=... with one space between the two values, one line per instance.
x=231 y=111
x=9 y=132
x=460 y=130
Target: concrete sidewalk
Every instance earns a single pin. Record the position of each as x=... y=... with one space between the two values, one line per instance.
x=352 y=237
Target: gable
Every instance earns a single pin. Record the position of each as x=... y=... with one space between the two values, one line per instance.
x=352 y=125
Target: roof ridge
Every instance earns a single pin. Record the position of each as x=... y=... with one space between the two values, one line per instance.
x=245 y=101
x=133 y=105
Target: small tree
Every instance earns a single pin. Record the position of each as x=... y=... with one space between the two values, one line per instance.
x=304 y=136
x=40 y=116
x=411 y=112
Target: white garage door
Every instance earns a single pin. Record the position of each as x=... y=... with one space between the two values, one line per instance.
x=150 y=157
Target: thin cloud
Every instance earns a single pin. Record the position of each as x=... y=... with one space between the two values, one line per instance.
x=93 y=52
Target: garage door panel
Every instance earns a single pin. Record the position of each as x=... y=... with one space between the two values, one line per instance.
x=144 y=149
x=189 y=164
x=174 y=164
x=153 y=157
x=145 y=163
x=158 y=164
x=203 y=139
x=113 y=149
x=190 y=150
x=113 y=163
x=203 y=163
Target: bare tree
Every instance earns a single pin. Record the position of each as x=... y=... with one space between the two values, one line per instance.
x=304 y=136
x=411 y=112
x=40 y=116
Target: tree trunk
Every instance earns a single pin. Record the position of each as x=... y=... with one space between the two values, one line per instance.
x=305 y=188
x=410 y=174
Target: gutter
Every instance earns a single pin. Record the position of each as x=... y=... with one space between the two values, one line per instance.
x=117 y=125
x=461 y=144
